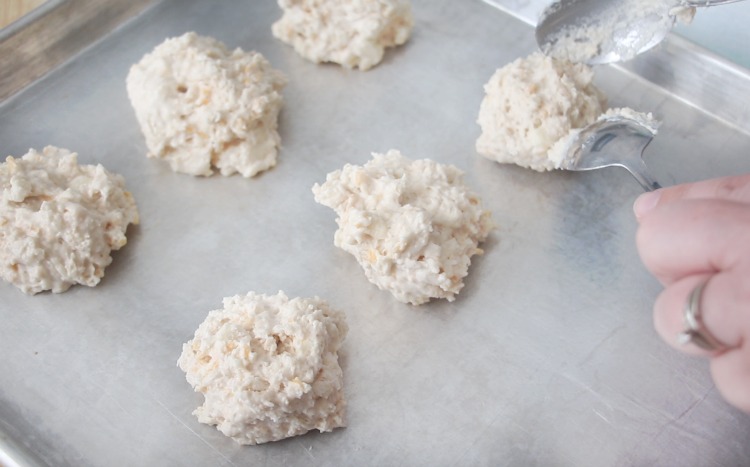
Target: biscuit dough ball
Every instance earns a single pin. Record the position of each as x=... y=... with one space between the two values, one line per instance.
x=352 y=33
x=268 y=367
x=59 y=220
x=201 y=106
x=412 y=225
x=532 y=103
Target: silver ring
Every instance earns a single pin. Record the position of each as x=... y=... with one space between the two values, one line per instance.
x=696 y=332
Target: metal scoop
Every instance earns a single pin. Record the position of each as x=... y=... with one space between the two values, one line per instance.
x=612 y=142
x=606 y=31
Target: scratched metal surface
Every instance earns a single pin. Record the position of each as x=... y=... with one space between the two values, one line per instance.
x=548 y=357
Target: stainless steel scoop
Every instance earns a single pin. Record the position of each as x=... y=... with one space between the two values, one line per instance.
x=612 y=142
x=606 y=31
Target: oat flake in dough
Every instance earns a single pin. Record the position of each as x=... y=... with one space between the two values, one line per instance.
x=59 y=220
x=412 y=225
x=268 y=367
x=352 y=33
x=202 y=106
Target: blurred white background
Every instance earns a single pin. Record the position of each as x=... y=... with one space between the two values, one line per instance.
x=724 y=29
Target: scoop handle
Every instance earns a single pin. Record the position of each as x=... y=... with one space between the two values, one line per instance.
x=648 y=183
x=639 y=171
x=700 y=3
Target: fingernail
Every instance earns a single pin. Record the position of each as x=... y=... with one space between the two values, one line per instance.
x=646 y=203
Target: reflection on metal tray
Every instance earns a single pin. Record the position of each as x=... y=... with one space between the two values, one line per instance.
x=53 y=33
x=13 y=10
x=547 y=357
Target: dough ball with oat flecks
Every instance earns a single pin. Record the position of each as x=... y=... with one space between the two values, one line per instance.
x=530 y=104
x=412 y=225
x=352 y=33
x=59 y=221
x=201 y=106
x=268 y=367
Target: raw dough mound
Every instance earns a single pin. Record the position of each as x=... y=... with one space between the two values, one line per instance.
x=59 y=221
x=352 y=33
x=412 y=225
x=532 y=103
x=200 y=105
x=268 y=367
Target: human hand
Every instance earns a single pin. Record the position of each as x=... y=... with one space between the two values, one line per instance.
x=695 y=233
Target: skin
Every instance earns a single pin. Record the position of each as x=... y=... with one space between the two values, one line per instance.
x=700 y=232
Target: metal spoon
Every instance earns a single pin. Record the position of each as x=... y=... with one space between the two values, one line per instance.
x=612 y=141
x=606 y=31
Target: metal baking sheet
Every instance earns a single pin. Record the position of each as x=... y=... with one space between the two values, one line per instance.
x=547 y=357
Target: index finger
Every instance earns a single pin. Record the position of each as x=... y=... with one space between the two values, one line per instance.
x=692 y=237
x=734 y=188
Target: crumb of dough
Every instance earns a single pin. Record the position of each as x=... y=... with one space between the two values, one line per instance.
x=412 y=225
x=532 y=103
x=202 y=106
x=352 y=33
x=560 y=151
x=268 y=367
x=646 y=119
x=59 y=220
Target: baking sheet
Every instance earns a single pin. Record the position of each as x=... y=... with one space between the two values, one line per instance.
x=547 y=357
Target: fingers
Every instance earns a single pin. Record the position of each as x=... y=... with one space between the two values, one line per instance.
x=696 y=233
x=722 y=307
x=694 y=237
x=724 y=314
x=725 y=318
x=731 y=373
x=736 y=188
